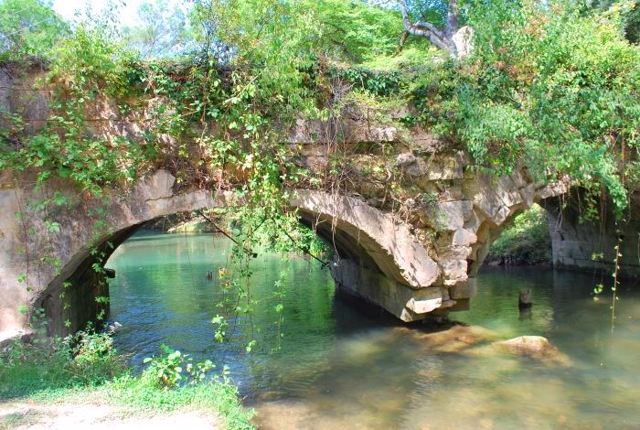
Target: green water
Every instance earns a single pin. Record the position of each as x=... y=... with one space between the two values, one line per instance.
x=346 y=367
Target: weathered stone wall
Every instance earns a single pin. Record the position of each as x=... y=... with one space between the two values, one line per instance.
x=581 y=244
x=35 y=259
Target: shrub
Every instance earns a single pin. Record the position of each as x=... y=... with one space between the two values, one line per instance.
x=173 y=368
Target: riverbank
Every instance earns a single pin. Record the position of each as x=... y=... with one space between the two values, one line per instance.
x=83 y=413
x=82 y=381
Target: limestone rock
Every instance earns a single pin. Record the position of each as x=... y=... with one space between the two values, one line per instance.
x=425 y=142
x=451 y=216
x=463 y=41
x=463 y=237
x=446 y=168
x=405 y=159
x=537 y=347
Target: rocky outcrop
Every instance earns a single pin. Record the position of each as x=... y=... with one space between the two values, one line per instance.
x=478 y=341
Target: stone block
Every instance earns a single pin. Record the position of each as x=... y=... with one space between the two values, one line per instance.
x=452 y=215
x=463 y=237
x=501 y=216
x=528 y=194
x=454 y=271
x=464 y=290
x=425 y=142
x=424 y=306
x=445 y=168
x=507 y=190
x=405 y=159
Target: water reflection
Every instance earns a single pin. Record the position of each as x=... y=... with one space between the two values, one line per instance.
x=344 y=366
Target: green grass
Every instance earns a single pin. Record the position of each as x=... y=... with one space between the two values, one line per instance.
x=415 y=55
x=90 y=371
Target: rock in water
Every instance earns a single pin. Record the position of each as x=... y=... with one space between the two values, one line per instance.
x=536 y=347
x=524 y=299
x=456 y=339
x=113 y=328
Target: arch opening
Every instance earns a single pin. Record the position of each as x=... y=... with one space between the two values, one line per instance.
x=79 y=294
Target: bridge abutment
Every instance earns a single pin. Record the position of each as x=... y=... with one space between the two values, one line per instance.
x=582 y=244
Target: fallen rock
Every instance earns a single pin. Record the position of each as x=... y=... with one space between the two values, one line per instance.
x=536 y=347
x=7 y=339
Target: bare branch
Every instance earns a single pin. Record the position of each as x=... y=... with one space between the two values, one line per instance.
x=426 y=29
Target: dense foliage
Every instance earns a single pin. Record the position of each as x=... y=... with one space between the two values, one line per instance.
x=525 y=241
x=29 y=28
x=554 y=88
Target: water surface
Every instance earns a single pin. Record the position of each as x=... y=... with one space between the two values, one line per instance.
x=332 y=365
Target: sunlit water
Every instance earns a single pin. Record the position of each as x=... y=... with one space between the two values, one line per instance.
x=342 y=367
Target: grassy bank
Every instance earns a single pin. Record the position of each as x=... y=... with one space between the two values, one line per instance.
x=86 y=373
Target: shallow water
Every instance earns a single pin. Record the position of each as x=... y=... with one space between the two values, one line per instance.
x=343 y=366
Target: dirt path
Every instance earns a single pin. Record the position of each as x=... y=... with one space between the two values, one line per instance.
x=35 y=416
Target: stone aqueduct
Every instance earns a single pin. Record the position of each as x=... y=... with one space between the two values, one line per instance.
x=382 y=257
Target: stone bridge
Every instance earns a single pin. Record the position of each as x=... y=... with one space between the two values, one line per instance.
x=412 y=260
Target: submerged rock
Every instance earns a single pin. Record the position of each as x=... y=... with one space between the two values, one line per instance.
x=536 y=347
x=457 y=338
x=114 y=328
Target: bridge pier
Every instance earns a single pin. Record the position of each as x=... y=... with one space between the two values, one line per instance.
x=405 y=303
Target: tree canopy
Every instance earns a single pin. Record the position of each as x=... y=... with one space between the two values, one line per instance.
x=553 y=85
x=29 y=28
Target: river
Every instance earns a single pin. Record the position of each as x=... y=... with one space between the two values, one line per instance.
x=332 y=365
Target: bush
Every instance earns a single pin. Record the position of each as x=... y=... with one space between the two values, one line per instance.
x=84 y=359
x=86 y=367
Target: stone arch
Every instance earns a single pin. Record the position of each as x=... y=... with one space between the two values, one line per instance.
x=378 y=251
x=468 y=223
x=380 y=259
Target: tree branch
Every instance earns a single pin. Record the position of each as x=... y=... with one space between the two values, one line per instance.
x=428 y=30
x=227 y=235
x=324 y=263
x=452 y=18
x=403 y=39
